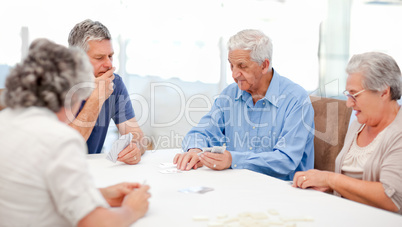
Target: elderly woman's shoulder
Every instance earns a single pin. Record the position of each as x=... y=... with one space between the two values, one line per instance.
x=396 y=126
x=44 y=124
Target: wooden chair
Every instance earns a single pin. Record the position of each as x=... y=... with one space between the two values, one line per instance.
x=1 y=107
x=331 y=119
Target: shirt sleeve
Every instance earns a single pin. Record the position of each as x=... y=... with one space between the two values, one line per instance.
x=69 y=182
x=209 y=131
x=123 y=107
x=391 y=173
x=294 y=149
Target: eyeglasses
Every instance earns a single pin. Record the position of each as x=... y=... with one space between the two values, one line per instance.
x=353 y=97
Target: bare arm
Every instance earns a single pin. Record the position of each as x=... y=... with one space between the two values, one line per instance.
x=367 y=192
x=131 y=126
x=86 y=119
x=134 y=206
x=121 y=216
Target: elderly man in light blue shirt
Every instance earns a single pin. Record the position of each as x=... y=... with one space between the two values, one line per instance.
x=265 y=120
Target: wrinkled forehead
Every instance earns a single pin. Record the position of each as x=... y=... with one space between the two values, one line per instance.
x=239 y=55
x=354 y=82
x=100 y=47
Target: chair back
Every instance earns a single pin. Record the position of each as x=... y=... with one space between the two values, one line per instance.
x=1 y=91
x=331 y=120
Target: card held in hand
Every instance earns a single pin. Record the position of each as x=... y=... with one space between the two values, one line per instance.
x=214 y=149
x=118 y=146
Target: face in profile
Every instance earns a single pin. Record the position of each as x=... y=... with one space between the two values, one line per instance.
x=365 y=104
x=100 y=54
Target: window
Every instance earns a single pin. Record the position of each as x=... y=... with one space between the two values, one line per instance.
x=375 y=26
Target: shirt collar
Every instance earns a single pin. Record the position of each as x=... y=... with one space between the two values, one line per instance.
x=240 y=93
x=273 y=92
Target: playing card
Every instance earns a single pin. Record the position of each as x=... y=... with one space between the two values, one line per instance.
x=200 y=190
x=169 y=171
x=217 y=149
x=207 y=149
x=167 y=165
x=118 y=146
x=214 y=149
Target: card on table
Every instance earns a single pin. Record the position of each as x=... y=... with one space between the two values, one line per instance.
x=170 y=171
x=167 y=165
x=200 y=190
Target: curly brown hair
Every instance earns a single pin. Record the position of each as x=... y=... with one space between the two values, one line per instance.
x=46 y=75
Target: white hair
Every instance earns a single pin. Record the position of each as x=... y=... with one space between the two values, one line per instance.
x=257 y=42
x=379 y=71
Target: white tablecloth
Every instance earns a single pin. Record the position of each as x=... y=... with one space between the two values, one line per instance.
x=236 y=192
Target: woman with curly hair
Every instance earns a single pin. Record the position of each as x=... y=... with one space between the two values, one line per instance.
x=44 y=178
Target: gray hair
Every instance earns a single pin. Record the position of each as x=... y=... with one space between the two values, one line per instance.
x=379 y=71
x=257 y=42
x=85 y=31
x=46 y=76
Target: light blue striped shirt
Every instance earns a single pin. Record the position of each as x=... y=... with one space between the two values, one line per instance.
x=274 y=137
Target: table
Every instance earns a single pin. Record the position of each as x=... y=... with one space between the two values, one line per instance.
x=237 y=193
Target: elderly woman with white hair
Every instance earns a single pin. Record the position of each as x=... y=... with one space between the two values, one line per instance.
x=44 y=178
x=369 y=167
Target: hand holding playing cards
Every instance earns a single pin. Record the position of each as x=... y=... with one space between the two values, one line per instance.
x=216 y=161
x=125 y=150
x=130 y=155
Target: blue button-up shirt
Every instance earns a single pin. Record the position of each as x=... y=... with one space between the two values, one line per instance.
x=274 y=136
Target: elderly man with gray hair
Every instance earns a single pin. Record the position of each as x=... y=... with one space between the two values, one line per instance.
x=44 y=178
x=110 y=99
x=261 y=118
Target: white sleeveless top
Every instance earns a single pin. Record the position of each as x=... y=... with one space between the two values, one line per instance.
x=357 y=156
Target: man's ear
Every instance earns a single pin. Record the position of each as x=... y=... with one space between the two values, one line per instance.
x=265 y=66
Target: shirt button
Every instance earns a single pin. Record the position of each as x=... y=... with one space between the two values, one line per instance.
x=263 y=103
x=235 y=165
x=253 y=127
x=251 y=148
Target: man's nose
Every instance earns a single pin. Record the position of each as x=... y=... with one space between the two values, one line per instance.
x=236 y=73
x=108 y=63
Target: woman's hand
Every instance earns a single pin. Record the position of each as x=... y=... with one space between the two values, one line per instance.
x=315 y=179
x=137 y=201
x=115 y=194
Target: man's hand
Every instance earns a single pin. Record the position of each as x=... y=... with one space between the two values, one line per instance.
x=216 y=161
x=188 y=160
x=104 y=85
x=130 y=155
x=131 y=126
x=115 y=194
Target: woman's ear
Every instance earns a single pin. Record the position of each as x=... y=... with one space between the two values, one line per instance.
x=386 y=93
